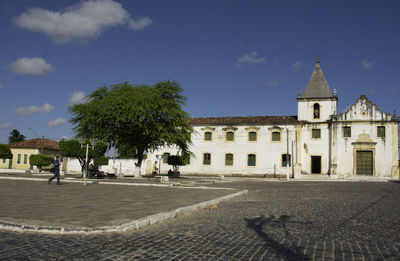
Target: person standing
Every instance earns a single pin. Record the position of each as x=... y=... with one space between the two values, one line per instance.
x=154 y=169
x=56 y=171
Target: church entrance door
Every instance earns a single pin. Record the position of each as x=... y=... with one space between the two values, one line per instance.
x=364 y=162
x=315 y=164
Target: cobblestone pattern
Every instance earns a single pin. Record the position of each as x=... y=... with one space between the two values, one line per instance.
x=274 y=221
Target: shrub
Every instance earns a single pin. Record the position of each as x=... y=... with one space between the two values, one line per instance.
x=40 y=160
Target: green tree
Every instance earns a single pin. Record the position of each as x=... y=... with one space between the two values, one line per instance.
x=40 y=160
x=126 y=151
x=5 y=152
x=73 y=149
x=176 y=161
x=140 y=116
x=15 y=136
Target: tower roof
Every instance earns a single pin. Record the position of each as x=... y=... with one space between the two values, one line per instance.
x=317 y=87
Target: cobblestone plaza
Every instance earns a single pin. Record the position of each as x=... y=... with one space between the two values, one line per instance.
x=273 y=221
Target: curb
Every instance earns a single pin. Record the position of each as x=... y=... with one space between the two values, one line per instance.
x=133 y=225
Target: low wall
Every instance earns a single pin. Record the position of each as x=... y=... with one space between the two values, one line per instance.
x=120 y=167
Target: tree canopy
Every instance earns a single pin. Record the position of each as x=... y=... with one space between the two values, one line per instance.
x=73 y=149
x=15 y=136
x=138 y=116
x=5 y=152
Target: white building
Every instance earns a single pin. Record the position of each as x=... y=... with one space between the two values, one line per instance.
x=361 y=141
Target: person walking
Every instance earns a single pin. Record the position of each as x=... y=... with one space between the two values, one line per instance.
x=56 y=171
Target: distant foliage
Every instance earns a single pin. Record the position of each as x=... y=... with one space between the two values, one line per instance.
x=15 y=136
x=5 y=152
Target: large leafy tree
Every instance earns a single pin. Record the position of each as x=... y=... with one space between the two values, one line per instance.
x=5 y=152
x=15 y=136
x=139 y=116
x=73 y=149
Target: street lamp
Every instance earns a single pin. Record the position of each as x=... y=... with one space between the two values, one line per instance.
x=93 y=142
x=158 y=157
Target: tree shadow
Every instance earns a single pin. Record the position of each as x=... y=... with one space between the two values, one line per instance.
x=262 y=224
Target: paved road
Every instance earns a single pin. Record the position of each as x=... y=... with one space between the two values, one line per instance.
x=274 y=221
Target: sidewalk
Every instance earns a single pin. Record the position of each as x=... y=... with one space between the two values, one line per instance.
x=29 y=203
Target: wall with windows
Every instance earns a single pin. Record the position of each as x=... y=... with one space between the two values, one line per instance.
x=383 y=154
x=314 y=143
x=236 y=150
x=20 y=158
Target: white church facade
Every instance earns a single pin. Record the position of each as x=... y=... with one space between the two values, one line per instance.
x=361 y=141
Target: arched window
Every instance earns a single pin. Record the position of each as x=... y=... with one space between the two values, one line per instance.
x=252 y=136
x=228 y=159
x=251 y=160
x=316 y=111
x=207 y=135
x=276 y=136
x=230 y=136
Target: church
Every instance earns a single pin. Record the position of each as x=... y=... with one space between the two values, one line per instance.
x=361 y=141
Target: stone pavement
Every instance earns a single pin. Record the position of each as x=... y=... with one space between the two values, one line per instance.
x=274 y=221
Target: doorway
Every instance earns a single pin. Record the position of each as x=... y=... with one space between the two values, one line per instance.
x=315 y=164
x=364 y=162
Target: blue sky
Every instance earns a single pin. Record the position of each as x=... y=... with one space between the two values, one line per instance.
x=232 y=58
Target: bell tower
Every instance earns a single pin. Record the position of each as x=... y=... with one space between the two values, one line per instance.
x=317 y=103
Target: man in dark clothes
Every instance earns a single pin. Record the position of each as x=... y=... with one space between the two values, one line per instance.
x=56 y=170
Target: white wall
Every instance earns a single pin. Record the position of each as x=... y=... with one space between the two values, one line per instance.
x=268 y=153
x=126 y=167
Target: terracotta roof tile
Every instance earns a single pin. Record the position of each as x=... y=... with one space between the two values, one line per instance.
x=244 y=120
x=36 y=144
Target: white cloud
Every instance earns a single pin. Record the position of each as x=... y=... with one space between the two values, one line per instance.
x=140 y=24
x=57 y=122
x=26 y=111
x=81 y=22
x=250 y=58
x=367 y=64
x=273 y=83
x=7 y=125
x=297 y=65
x=77 y=98
x=31 y=66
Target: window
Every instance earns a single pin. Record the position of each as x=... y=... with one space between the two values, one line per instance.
x=4 y=160
x=316 y=111
x=165 y=157
x=276 y=136
x=381 y=131
x=251 y=160
x=207 y=135
x=286 y=158
x=229 y=159
x=230 y=136
x=316 y=133
x=19 y=159
x=207 y=159
x=346 y=132
x=25 y=158
x=252 y=136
